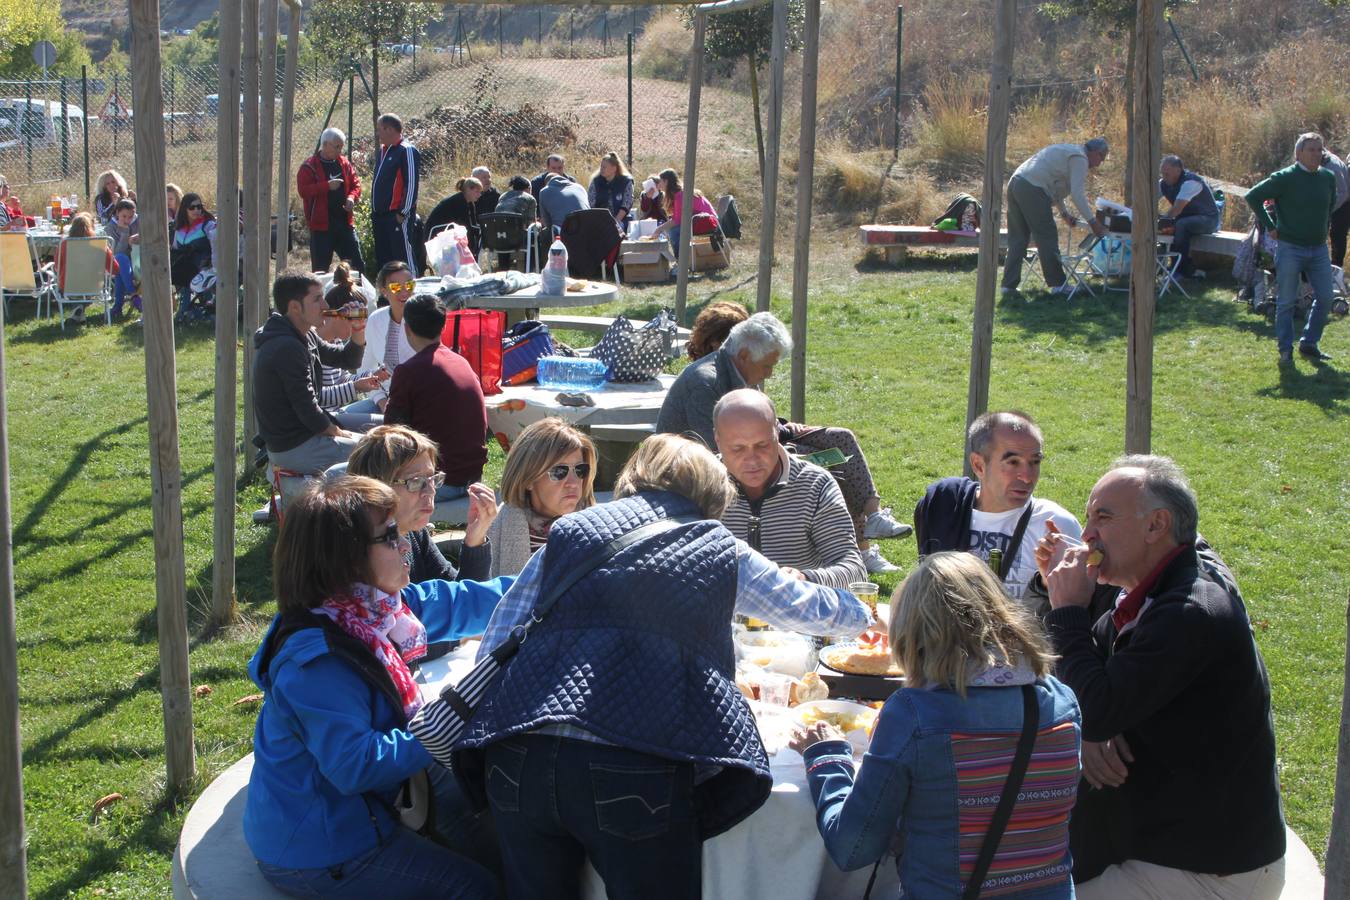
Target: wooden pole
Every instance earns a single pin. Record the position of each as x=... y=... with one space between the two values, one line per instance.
x=161 y=384
x=13 y=839
x=690 y=158
x=772 y=156
x=249 y=64
x=806 y=171
x=1146 y=141
x=284 y=177
x=267 y=120
x=1338 y=845
x=995 y=150
x=227 y=325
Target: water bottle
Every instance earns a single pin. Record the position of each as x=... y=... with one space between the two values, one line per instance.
x=553 y=281
x=571 y=373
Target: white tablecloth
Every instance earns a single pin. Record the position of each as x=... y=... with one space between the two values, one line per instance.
x=46 y=241
x=615 y=404
x=775 y=854
x=530 y=298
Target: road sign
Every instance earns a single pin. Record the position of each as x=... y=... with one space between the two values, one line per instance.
x=44 y=54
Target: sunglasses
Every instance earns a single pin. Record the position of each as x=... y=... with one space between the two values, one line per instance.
x=419 y=484
x=390 y=536
x=559 y=472
x=196 y=206
x=398 y=287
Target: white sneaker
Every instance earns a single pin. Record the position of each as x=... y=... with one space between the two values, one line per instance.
x=1008 y=292
x=263 y=514
x=1064 y=290
x=881 y=525
x=876 y=563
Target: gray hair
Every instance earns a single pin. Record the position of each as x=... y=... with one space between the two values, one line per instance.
x=1306 y=138
x=1165 y=487
x=332 y=134
x=762 y=335
x=481 y=170
x=556 y=156
x=980 y=435
x=1172 y=160
x=1097 y=145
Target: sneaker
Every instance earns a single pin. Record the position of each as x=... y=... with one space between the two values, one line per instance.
x=1310 y=351
x=1063 y=290
x=876 y=563
x=263 y=514
x=1008 y=292
x=1195 y=274
x=1286 y=357
x=78 y=317
x=881 y=525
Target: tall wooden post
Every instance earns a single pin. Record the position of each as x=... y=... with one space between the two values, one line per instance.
x=1337 y=885
x=13 y=840
x=267 y=119
x=690 y=159
x=161 y=384
x=249 y=64
x=284 y=177
x=772 y=155
x=1146 y=140
x=806 y=171
x=227 y=325
x=995 y=150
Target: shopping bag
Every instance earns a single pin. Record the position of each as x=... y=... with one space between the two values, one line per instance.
x=476 y=335
x=522 y=346
x=636 y=354
x=443 y=255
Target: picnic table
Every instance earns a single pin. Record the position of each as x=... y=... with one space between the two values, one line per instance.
x=526 y=303
x=896 y=240
x=46 y=239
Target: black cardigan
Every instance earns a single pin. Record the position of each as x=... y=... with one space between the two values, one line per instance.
x=429 y=563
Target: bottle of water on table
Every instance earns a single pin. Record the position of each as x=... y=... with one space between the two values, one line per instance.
x=553 y=280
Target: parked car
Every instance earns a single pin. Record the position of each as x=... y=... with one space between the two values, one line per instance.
x=40 y=120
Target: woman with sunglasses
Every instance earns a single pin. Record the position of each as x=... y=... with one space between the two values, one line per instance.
x=385 y=341
x=549 y=473
x=406 y=461
x=331 y=746
x=193 y=248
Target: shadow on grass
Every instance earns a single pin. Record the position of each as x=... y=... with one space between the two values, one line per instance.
x=108 y=858
x=190 y=335
x=919 y=261
x=1326 y=387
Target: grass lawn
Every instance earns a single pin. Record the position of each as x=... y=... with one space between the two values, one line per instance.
x=888 y=355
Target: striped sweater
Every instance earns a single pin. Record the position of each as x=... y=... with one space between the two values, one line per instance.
x=801 y=522
x=338 y=389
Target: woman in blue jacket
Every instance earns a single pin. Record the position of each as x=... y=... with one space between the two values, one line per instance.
x=943 y=746
x=331 y=749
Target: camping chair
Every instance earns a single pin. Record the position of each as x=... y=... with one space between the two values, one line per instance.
x=20 y=275
x=592 y=241
x=88 y=279
x=506 y=234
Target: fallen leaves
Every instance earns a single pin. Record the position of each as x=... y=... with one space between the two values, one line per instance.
x=101 y=804
x=203 y=690
x=248 y=700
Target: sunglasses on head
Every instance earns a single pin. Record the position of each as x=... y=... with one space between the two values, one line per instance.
x=390 y=536
x=398 y=287
x=559 y=472
x=418 y=484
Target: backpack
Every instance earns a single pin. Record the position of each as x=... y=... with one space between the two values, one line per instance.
x=964 y=210
x=729 y=216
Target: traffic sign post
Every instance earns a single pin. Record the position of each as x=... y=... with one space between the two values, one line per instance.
x=44 y=54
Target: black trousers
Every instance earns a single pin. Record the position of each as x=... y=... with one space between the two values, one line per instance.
x=1340 y=226
x=340 y=239
x=393 y=242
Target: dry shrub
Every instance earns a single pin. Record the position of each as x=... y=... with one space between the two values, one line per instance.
x=663 y=50
x=949 y=133
x=846 y=182
x=1033 y=126
x=1214 y=127
x=911 y=199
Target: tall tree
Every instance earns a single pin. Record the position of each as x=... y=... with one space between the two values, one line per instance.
x=23 y=24
x=747 y=35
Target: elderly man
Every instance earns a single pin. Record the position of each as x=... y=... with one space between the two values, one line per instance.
x=997 y=510
x=786 y=508
x=554 y=165
x=393 y=197
x=329 y=189
x=558 y=198
x=1340 y=214
x=1177 y=731
x=1193 y=209
x=1304 y=195
x=487 y=201
x=1040 y=183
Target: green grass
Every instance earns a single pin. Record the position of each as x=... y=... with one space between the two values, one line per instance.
x=888 y=354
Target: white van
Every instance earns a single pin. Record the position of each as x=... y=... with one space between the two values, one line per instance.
x=41 y=119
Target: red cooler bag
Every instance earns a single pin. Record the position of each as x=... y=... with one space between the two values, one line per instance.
x=476 y=335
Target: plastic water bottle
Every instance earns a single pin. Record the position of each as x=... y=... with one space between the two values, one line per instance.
x=553 y=281
x=571 y=373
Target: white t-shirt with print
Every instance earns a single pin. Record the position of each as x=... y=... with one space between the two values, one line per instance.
x=990 y=530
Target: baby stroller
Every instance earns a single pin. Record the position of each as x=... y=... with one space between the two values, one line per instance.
x=199 y=302
x=1254 y=269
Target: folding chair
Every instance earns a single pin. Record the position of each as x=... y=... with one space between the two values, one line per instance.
x=1169 y=265
x=88 y=277
x=20 y=275
x=1080 y=267
x=592 y=241
x=506 y=234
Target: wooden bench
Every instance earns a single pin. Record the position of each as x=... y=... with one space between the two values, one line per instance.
x=896 y=240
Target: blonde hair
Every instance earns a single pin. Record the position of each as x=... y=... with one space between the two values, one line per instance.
x=385 y=449
x=101 y=184
x=470 y=182
x=951 y=614
x=613 y=158
x=538 y=448
x=669 y=462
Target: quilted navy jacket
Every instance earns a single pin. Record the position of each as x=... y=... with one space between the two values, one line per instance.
x=639 y=654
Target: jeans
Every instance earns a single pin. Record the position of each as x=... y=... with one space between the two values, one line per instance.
x=674 y=235
x=451 y=492
x=340 y=239
x=1292 y=260
x=123 y=282
x=1188 y=227
x=315 y=455
x=558 y=802
x=1031 y=218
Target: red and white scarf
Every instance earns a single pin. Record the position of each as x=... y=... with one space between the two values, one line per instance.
x=383 y=623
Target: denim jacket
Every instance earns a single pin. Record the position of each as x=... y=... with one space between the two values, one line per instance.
x=932 y=777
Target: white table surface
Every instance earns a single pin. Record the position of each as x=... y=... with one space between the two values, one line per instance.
x=775 y=854
x=531 y=298
x=615 y=404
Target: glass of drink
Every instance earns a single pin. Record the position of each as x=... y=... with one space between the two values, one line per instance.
x=867 y=592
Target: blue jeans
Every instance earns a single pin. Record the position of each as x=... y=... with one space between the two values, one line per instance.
x=1188 y=227
x=451 y=492
x=1292 y=260
x=674 y=234
x=558 y=802
x=123 y=283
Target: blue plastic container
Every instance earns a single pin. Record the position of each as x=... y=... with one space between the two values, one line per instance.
x=571 y=373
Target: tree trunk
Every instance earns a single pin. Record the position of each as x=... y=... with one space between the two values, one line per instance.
x=1338 y=847
x=1129 y=116
x=759 y=127
x=375 y=94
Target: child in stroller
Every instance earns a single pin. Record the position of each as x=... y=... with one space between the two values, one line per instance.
x=1254 y=269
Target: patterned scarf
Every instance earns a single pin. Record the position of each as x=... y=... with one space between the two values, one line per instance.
x=384 y=624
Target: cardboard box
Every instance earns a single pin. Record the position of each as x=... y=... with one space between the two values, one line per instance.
x=645 y=262
x=705 y=258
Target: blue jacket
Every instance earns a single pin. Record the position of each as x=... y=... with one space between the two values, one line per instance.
x=397 y=176
x=942 y=517
x=934 y=773
x=331 y=748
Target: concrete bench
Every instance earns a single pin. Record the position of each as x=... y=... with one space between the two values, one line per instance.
x=212 y=862
x=614 y=444
x=600 y=324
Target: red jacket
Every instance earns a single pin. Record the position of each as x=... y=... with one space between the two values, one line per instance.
x=312 y=184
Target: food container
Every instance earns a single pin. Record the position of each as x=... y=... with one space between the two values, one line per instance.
x=775 y=651
x=854 y=719
x=571 y=373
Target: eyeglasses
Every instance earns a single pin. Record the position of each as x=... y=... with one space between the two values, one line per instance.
x=559 y=472
x=398 y=287
x=419 y=484
x=390 y=536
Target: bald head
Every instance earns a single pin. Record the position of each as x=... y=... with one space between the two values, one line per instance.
x=747 y=437
x=745 y=405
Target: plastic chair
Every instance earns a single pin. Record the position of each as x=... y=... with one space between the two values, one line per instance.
x=20 y=275
x=592 y=241
x=88 y=278
x=505 y=234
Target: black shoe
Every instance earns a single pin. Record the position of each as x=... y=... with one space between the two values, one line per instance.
x=1310 y=351
x=1286 y=357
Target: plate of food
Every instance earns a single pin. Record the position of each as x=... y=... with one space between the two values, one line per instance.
x=854 y=658
x=855 y=720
